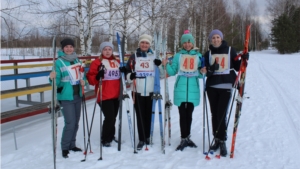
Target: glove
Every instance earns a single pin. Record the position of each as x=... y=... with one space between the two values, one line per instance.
x=157 y=62
x=214 y=67
x=122 y=69
x=132 y=76
x=245 y=56
x=100 y=74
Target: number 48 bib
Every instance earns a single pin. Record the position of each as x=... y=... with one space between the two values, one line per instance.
x=188 y=65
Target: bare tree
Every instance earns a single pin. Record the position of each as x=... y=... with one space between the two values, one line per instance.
x=13 y=20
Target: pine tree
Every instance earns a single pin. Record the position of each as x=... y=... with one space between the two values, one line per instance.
x=296 y=23
x=285 y=31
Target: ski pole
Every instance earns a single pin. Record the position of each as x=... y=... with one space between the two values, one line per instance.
x=138 y=106
x=134 y=123
x=100 y=87
x=90 y=129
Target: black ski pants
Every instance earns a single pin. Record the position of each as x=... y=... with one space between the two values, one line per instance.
x=219 y=100
x=143 y=109
x=185 y=118
x=110 y=110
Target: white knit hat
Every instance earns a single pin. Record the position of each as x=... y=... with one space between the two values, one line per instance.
x=146 y=38
x=106 y=44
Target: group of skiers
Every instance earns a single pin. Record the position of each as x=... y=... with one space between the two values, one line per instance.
x=105 y=71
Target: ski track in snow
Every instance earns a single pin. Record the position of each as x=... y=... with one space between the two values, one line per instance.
x=286 y=102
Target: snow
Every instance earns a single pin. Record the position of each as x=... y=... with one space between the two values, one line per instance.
x=268 y=133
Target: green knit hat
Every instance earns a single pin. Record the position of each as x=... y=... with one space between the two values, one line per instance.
x=187 y=37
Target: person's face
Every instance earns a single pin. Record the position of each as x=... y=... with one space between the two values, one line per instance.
x=187 y=46
x=216 y=40
x=107 y=51
x=68 y=49
x=144 y=46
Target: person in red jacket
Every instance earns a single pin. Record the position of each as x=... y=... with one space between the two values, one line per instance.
x=106 y=67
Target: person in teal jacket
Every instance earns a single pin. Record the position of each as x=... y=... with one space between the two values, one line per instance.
x=69 y=82
x=186 y=63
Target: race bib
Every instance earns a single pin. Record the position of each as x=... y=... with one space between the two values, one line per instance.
x=224 y=63
x=144 y=66
x=74 y=73
x=112 y=71
x=188 y=65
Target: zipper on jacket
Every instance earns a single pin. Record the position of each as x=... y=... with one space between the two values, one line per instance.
x=187 y=89
x=145 y=86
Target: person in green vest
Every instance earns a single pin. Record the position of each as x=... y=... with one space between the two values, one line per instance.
x=69 y=83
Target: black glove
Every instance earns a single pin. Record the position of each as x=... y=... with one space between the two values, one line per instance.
x=157 y=62
x=122 y=69
x=100 y=74
x=245 y=56
x=214 y=67
x=132 y=76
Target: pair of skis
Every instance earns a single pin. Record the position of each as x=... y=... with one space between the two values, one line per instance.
x=123 y=96
x=240 y=80
x=157 y=97
x=54 y=107
x=168 y=103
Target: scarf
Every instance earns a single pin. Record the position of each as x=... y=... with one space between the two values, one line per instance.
x=143 y=53
x=71 y=58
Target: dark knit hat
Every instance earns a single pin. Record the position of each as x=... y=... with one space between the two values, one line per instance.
x=187 y=37
x=67 y=41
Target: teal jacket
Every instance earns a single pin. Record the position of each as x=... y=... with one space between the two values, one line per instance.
x=186 y=89
x=63 y=78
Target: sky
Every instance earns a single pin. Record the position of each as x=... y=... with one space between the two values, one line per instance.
x=261 y=4
x=268 y=132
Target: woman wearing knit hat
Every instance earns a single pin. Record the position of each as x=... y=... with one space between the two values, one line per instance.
x=221 y=75
x=186 y=64
x=69 y=93
x=140 y=68
x=106 y=67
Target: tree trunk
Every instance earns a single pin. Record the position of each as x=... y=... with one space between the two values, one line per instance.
x=81 y=29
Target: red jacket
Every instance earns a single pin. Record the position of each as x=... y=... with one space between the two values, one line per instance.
x=110 y=88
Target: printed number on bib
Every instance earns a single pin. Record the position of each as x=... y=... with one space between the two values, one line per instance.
x=188 y=63
x=144 y=67
x=222 y=59
x=74 y=72
x=112 y=70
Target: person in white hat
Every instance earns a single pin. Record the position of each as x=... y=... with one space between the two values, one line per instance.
x=140 y=68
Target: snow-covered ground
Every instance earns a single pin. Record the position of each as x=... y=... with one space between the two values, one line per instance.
x=268 y=134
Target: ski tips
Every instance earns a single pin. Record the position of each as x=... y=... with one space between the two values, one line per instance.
x=82 y=160
x=218 y=156
x=207 y=157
